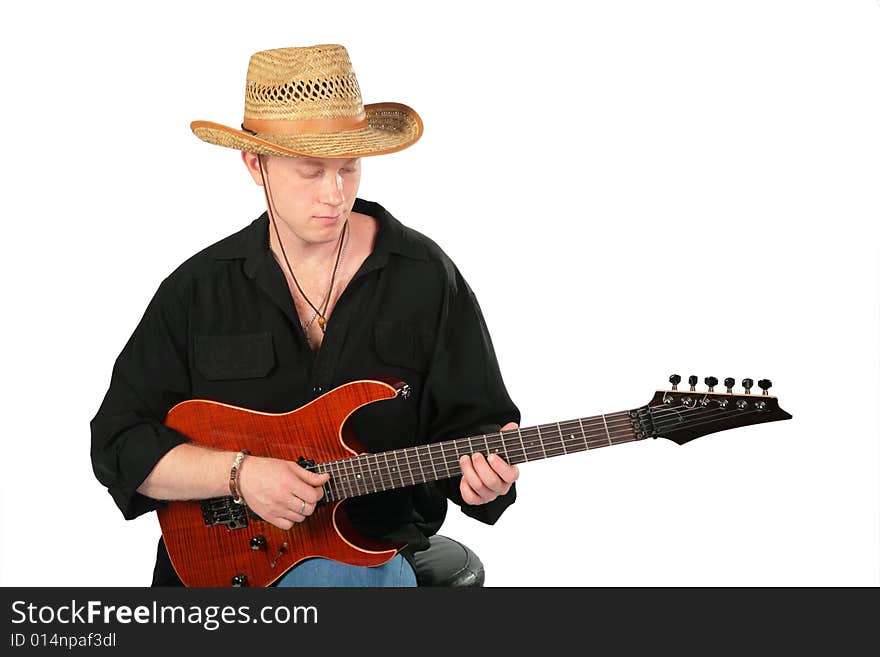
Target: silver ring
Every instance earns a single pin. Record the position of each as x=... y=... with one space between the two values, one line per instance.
x=302 y=508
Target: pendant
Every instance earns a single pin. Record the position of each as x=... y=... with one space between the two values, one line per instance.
x=322 y=321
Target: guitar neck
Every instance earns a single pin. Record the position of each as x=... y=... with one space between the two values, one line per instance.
x=372 y=473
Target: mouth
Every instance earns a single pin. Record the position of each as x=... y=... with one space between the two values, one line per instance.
x=328 y=218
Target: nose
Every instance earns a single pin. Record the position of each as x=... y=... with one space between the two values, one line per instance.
x=331 y=190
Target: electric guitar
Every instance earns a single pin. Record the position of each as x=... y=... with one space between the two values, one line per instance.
x=216 y=542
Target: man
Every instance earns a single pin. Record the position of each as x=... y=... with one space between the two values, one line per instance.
x=321 y=290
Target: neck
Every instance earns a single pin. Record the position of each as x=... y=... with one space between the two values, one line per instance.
x=302 y=254
x=370 y=473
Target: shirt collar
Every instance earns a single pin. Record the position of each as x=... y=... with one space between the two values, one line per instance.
x=252 y=243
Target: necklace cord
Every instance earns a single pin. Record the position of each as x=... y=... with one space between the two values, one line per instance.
x=270 y=206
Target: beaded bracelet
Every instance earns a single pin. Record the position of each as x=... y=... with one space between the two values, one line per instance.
x=233 y=477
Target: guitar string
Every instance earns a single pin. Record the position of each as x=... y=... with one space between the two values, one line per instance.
x=494 y=442
x=666 y=422
x=737 y=413
x=451 y=468
x=555 y=447
x=388 y=474
x=354 y=466
x=392 y=477
x=527 y=433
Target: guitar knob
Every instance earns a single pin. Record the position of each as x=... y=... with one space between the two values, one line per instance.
x=711 y=381
x=747 y=385
x=729 y=382
x=240 y=580
x=764 y=384
x=693 y=381
x=675 y=379
x=258 y=542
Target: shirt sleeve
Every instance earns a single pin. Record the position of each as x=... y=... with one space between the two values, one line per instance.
x=464 y=393
x=149 y=377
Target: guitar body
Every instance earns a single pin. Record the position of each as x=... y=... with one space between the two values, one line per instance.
x=214 y=553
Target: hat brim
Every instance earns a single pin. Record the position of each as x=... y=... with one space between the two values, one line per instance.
x=390 y=127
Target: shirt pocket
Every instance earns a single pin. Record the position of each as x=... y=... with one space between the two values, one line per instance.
x=400 y=344
x=224 y=357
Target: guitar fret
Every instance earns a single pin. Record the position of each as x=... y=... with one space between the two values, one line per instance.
x=561 y=435
x=607 y=433
x=354 y=464
x=397 y=466
x=388 y=466
x=419 y=461
x=377 y=470
x=445 y=462
x=541 y=441
x=409 y=466
x=525 y=457
x=504 y=446
x=486 y=440
x=373 y=470
x=344 y=480
x=365 y=461
x=430 y=456
x=584 y=434
x=358 y=476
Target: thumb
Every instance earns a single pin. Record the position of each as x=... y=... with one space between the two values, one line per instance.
x=314 y=478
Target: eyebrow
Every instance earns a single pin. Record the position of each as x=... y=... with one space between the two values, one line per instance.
x=317 y=163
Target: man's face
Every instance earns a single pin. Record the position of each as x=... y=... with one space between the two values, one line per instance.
x=312 y=196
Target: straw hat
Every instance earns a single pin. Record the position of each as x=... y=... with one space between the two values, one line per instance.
x=306 y=102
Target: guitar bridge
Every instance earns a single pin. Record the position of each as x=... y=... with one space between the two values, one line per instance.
x=223 y=511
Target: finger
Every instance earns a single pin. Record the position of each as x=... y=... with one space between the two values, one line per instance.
x=509 y=426
x=468 y=494
x=509 y=473
x=299 y=506
x=468 y=474
x=281 y=523
x=306 y=508
x=489 y=477
x=293 y=515
x=303 y=491
x=311 y=478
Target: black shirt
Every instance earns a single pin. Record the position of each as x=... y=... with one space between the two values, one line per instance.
x=223 y=327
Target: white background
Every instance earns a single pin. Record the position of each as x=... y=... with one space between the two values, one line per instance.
x=632 y=188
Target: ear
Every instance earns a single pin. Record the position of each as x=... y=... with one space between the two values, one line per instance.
x=251 y=162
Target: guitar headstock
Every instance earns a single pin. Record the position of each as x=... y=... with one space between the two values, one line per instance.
x=683 y=415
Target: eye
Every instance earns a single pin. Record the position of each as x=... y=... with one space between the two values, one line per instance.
x=312 y=173
x=348 y=171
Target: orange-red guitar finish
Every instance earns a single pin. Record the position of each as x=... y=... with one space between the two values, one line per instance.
x=214 y=555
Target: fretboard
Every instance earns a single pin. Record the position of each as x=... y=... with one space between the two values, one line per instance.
x=372 y=473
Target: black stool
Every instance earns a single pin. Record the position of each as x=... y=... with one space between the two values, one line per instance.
x=448 y=563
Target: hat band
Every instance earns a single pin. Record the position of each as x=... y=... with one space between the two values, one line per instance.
x=303 y=127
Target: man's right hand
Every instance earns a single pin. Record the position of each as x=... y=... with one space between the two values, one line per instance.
x=276 y=489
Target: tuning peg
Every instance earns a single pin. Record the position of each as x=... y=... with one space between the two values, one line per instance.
x=729 y=382
x=747 y=384
x=693 y=381
x=764 y=384
x=711 y=381
x=675 y=379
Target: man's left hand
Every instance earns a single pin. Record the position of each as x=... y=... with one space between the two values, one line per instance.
x=483 y=479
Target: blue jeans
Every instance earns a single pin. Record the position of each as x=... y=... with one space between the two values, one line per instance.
x=325 y=572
